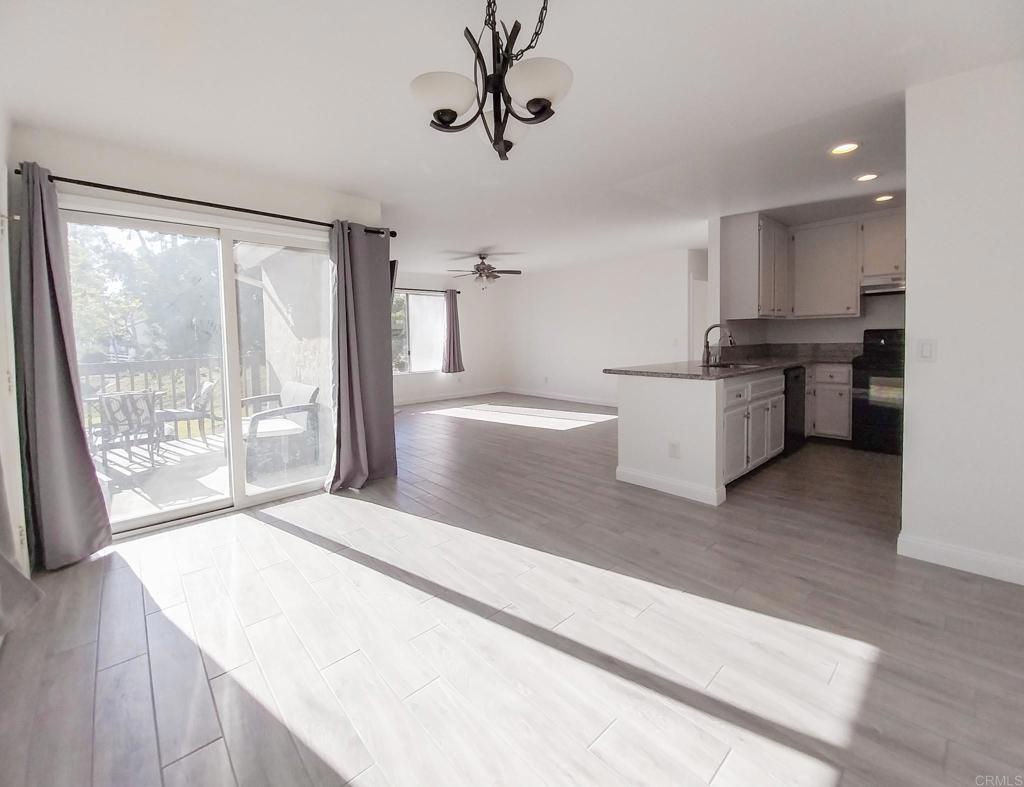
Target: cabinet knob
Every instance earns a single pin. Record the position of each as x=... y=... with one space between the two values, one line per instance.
x=840 y=394
x=848 y=308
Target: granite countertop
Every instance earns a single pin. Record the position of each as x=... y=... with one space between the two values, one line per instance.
x=754 y=359
x=692 y=370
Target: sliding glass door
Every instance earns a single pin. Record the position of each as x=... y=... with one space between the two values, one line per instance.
x=284 y=349
x=146 y=307
x=204 y=362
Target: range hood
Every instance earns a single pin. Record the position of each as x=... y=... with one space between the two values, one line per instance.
x=879 y=285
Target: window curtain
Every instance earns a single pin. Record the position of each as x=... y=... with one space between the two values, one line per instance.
x=363 y=400
x=66 y=517
x=451 y=360
x=17 y=592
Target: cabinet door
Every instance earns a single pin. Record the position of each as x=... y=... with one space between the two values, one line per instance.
x=884 y=244
x=734 y=443
x=809 y=406
x=826 y=271
x=832 y=413
x=766 y=269
x=776 y=425
x=757 y=437
x=782 y=266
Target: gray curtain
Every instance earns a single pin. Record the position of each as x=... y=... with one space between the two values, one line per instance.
x=66 y=517
x=17 y=593
x=364 y=409
x=451 y=360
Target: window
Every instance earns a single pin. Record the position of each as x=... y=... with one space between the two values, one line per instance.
x=417 y=331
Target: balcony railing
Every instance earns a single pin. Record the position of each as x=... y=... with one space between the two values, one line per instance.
x=176 y=381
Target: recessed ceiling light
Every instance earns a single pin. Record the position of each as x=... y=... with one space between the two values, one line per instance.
x=844 y=148
x=883 y=198
x=866 y=177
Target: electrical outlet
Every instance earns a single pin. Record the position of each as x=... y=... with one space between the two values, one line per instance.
x=673 y=450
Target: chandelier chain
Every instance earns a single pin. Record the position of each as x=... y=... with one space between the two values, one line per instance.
x=491 y=21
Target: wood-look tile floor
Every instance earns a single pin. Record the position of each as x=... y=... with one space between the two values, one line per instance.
x=505 y=612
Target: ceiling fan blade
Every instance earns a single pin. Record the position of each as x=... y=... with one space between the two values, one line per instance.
x=463 y=256
x=459 y=270
x=514 y=273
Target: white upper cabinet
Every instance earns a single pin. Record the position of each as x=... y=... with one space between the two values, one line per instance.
x=826 y=270
x=812 y=270
x=756 y=268
x=884 y=244
x=765 y=269
x=782 y=269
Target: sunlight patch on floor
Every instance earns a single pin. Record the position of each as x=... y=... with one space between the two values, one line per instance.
x=559 y=420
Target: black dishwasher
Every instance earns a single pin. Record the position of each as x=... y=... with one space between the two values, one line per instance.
x=796 y=377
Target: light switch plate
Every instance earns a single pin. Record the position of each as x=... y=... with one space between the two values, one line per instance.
x=926 y=350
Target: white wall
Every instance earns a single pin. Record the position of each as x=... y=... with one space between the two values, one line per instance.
x=83 y=158
x=568 y=324
x=10 y=453
x=964 y=437
x=483 y=347
x=877 y=311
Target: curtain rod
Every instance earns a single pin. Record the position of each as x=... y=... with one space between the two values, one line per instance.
x=424 y=289
x=219 y=206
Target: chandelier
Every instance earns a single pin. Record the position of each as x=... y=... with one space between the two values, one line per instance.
x=514 y=95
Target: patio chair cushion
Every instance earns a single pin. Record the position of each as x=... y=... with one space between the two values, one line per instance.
x=272 y=427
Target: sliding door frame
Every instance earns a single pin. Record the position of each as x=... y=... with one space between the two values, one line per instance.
x=229 y=302
x=229 y=229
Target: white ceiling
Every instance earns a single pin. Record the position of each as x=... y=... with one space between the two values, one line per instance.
x=680 y=109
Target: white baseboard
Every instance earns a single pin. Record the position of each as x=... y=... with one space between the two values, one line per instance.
x=712 y=496
x=441 y=397
x=988 y=564
x=561 y=397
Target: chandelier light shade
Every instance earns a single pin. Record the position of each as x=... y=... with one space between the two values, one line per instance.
x=444 y=94
x=509 y=95
x=539 y=78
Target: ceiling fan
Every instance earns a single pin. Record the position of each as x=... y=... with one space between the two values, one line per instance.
x=484 y=272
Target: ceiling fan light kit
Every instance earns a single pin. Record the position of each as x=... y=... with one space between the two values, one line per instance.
x=483 y=272
x=514 y=94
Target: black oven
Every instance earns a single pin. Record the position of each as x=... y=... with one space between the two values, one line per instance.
x=878 y=392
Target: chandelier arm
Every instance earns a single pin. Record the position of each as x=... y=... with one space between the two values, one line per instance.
x=479 y=70
x=499 y=65
x=529 y=120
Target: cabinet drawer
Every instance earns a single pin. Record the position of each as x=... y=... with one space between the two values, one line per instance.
x=737 y=395
x=767 y=387
x=838 y=373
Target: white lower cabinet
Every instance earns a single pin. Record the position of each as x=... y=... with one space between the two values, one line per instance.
x=830 y=407
x=832 y=415
x=734 y=443
x=776 y=425
x=753 y=433
x=757 y=447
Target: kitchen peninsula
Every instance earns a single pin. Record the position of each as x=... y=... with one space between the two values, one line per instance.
x=688 y=429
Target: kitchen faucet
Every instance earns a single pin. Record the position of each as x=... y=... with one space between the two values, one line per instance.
x=706 y=358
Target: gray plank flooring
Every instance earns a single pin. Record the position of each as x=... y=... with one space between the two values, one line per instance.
x=505 y=612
